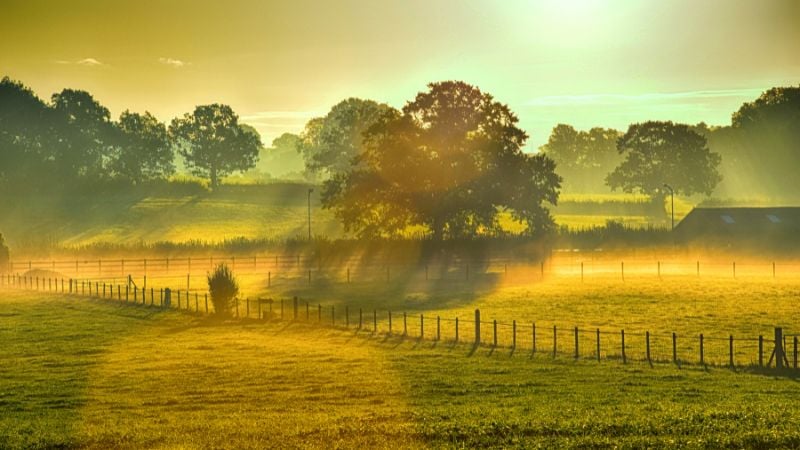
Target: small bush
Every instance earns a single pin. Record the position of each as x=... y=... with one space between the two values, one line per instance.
x=223 y=288
x=4 y=255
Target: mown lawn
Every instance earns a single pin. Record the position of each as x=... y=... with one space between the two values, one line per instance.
x=92 y=373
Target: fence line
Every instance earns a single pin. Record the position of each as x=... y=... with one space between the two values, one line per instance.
x=299 y=269
x=598 y=344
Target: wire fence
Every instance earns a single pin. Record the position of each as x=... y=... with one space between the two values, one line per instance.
x=534 y=338
x=301 y=269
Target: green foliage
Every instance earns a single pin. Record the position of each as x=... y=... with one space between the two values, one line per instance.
x=214 y=144
x=223 y=289
x=664 y=152
x=329 y=144
x=144 y=152
x=5 y=256
x=583 y=158
x=283 y=159
x=449 y=162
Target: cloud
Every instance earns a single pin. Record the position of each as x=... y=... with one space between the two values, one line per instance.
x=90 y=62
x=176 y=63
x=654 y=97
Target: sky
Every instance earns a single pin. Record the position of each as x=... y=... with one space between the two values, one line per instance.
x=587 y=63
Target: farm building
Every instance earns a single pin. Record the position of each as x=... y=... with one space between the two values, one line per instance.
x=757 y=226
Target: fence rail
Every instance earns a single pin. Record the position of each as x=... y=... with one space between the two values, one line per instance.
x=535 y=338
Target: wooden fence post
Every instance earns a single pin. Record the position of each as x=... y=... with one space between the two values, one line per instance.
x=577 y=353
x=513 y=334
x=494 y=340
x=731 y=349
x=647 y=340
x=624 y=359
x=702 y=359
x=375 y=321
x=598 y=345
x=405 y=324
x=760 y=351
x=390 y=322
x=555 y=337
x=438 y=329
x=456 y=329
x=477 y=327
x=622 y=265
x=319 y=313
x=421 y=326
x=674 y=348
x=780 y=354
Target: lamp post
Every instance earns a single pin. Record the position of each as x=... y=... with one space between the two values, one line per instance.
x=672 y=202
x=310 y=190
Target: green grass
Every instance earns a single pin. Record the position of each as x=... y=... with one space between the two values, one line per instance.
x=96 y=374
x=184 y=212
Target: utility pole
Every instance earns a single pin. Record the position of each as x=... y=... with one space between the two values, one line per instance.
x=672 y=202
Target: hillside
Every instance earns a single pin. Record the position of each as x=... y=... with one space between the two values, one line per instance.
x=181 y=212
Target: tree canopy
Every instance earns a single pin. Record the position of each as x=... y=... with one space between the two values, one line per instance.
x=330 y=143
x=145 y=151
x=663 y=152
x=214 y=144
x=583 y=158
x=450 y=161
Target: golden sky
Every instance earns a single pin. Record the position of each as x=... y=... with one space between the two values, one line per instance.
x=278 y=63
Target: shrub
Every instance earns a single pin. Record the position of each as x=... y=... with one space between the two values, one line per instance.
x=4 y=255
x=223 y=288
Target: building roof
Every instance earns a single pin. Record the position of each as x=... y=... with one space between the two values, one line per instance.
x=729 y=222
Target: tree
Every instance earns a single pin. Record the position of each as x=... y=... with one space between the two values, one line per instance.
x=84 y=136
x=23 y=133
x=663 y=152
x=143 y=151
x=4 y=255
x=583 y=158
x=450 y=161
x=214 y=144
x=283 y=159
x=330 y=143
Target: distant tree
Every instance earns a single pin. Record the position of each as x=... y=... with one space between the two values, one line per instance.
x=24 y=134
x=223 y=289
x=144 y=151
x=84 y=135
x=283 y=159
x=330 y=143
x=214 y=144
x=451 y=161
x=663 y=152
x=4 y=255
x=583 y=158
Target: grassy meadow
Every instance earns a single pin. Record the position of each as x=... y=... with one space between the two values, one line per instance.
x=95 y=374
x=180 y=212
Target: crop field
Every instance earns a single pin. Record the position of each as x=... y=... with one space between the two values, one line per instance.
x=95 y=374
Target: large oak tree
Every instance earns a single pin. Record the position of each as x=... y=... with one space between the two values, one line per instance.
x=450 y=161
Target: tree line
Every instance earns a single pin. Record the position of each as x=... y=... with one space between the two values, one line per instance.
x=450 y=161
x=72 y=140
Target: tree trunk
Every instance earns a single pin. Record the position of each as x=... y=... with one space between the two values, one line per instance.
x=214 y=180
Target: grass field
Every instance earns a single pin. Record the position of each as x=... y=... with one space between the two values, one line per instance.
x=181 y=213
x=96 y=374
